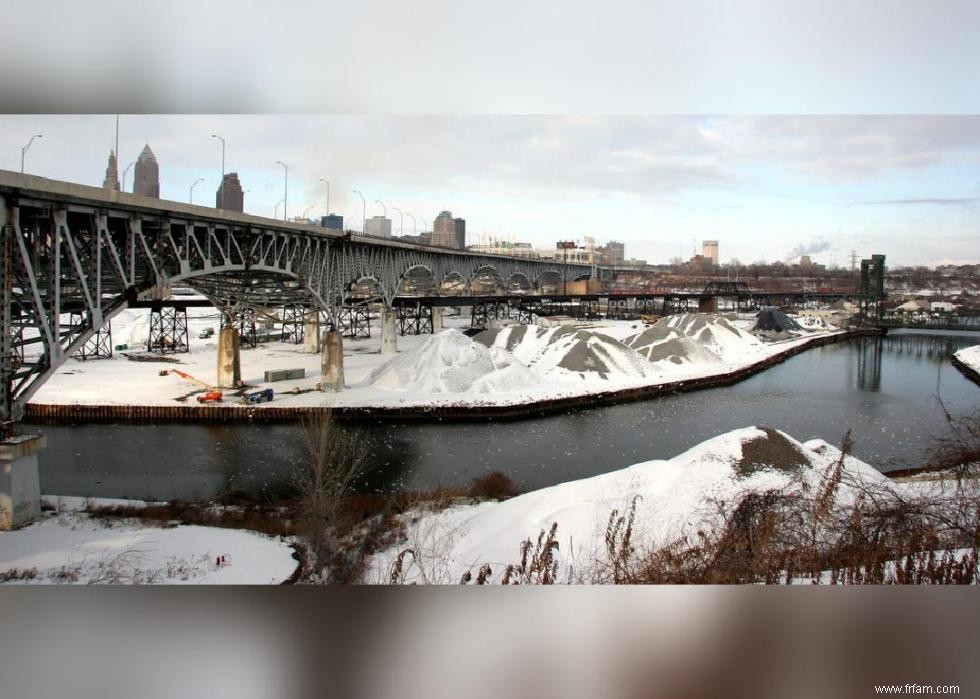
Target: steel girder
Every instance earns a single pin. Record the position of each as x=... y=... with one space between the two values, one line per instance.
x=62 y=254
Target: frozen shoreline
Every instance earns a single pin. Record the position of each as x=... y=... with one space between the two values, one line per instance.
x=968 y=361
x=119 y=389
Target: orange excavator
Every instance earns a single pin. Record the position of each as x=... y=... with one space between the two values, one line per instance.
x=211 y=395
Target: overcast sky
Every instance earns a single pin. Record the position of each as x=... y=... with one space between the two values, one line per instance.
x=764 y=187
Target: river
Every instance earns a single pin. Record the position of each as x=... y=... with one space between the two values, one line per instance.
x=885 y=390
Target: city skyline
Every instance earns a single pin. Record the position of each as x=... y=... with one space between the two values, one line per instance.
x=764 y=187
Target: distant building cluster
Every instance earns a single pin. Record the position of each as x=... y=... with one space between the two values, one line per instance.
x=612 y=253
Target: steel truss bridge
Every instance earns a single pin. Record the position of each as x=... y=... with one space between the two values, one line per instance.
x=73 y=256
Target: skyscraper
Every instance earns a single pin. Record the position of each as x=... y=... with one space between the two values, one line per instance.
x=378 y=226
x=449 y=232
x=111 y=180
x=146 y=177
x=234 y=197
x=709 y=249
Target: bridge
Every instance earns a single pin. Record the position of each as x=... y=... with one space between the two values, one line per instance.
x=75 y=255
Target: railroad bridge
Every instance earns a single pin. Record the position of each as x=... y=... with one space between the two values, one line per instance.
x=74 y=256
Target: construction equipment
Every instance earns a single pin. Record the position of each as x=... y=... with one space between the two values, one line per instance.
x=211 y=394
x=261 y=396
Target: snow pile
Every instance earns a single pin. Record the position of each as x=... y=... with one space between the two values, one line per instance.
x=566 y=352
x=659 y=343
x=970 y=357
x=715 y=334
x=813 y=322
x=675 y=498
x=450 y=362
x=72 y=547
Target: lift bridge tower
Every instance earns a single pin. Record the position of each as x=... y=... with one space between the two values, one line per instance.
x=872 y=289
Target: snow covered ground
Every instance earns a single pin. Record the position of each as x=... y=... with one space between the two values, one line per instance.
x=509 y=366
x=673 y=497
x=69 y=546
x=970 y=357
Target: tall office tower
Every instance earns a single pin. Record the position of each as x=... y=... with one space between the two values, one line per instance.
x=146 y=177
x=231 y=191
x=709 y=249
x=111 y=180
x=378 y=226
x=459 y=230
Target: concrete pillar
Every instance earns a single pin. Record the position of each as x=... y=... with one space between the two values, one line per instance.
x=389 y=343
x=20 y=484
x=332 y=361
x=311 y=332
x=229 y=358
x=708 y=305
x=437 y=319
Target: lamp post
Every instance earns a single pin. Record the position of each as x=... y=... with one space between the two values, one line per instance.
x=221 y=187
x=23 y=151
x=413 y=224
x=285 y=188
x=328 y=194
x=363 y=210
x=191 y=198
x=276 y=215
x=306 y=213
x=126 y=172
x=401 y=220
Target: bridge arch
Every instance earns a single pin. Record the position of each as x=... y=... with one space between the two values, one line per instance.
x=518 y=283
x=416 y=280
x=486 y=280
x=548 y=282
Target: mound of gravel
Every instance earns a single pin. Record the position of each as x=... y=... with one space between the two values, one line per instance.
x=774 y=320
x=659 y=343
x=713 y=333
x=450 y=362
x=566 y=351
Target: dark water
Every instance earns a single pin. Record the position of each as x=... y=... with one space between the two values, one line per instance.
x=884 y=389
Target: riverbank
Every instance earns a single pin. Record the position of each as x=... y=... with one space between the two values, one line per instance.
x=968 y=362
x=116 y=391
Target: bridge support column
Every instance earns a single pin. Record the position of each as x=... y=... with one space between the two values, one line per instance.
x=229 y=358
x=20 y=484
x=311 y=332
x=708 y=305
x=389 y=341
x=436 y=319
x=332 y=361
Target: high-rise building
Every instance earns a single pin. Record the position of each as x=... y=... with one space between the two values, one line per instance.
x=449 y=232
x=378 y=226
x=111 y=180
x=146 y=176
x=231 y=192
x=612 y=253
x=709 y=250
x=334 y=222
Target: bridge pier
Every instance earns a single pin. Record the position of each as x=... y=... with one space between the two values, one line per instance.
x=229 y=358
x=311 y=332
x=437 y=319
x=332 y=361
x=708 y=305
x=20 y=484
x=389 y=341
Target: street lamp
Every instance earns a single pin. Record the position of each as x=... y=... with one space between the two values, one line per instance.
x=306 y=213
x=384 y=208
x=199 y=179
x=285 y=188
x=281 y=201
x=23 y=151
x=363 y=211
x=401 y=220
x=221 y=187
x=328 y=194
x=413 y=224
x=125 y=172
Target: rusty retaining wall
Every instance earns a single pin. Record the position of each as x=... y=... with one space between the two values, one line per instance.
x=75 y=414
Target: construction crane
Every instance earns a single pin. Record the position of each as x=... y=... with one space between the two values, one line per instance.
x=211 y=395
